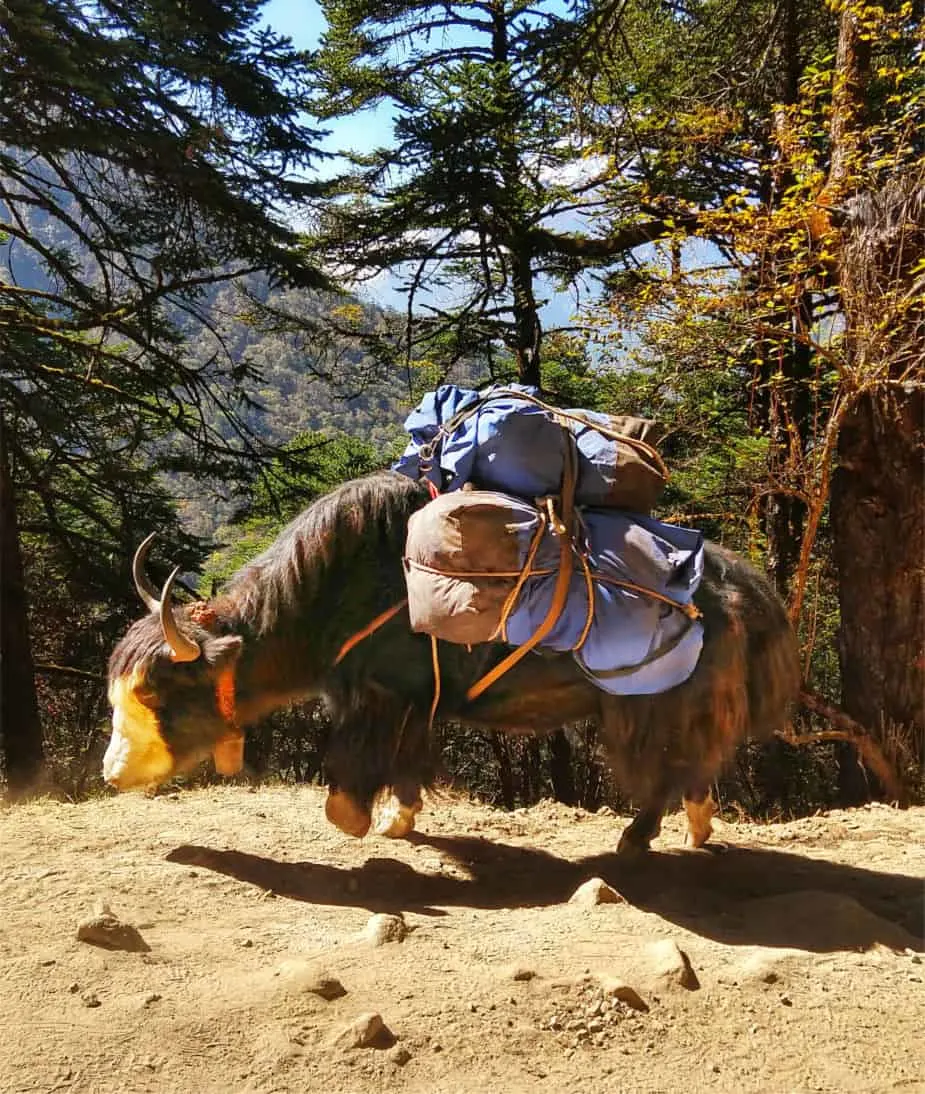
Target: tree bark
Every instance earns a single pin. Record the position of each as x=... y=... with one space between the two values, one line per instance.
x=20 y=727
x=878 y=522
x=877 y=501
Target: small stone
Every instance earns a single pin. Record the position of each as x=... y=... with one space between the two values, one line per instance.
x=305 y=977
x=90 y=999
x=73 y=988
x=672 y=965
x=153 y=997
x=595 y=891
x=368 y=1030
x=770 y=977
x=382 y=928
x=616 y=989
x=107 y=930
x=521 y=973
x=786 y=1000
x=399 y=1055
x=595 y=1025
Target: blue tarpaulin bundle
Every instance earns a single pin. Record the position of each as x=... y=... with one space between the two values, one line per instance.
x=640 y=636
x=505 y=439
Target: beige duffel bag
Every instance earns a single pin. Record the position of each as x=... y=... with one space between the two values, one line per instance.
x=467 y=555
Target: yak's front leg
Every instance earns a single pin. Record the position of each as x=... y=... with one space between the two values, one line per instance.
x=645 y=826
x=397 y=814
x=412 y=768
x=378 y=744
x=700 y=809
x=356 y=766
x=346 y=812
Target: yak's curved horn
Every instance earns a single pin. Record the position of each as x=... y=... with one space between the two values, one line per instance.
x=181 y=647
x=145 y=589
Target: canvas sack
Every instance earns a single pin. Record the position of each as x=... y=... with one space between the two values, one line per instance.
x=464 y=554
x=506 y=439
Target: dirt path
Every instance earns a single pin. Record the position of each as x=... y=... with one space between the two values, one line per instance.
x=804 y=944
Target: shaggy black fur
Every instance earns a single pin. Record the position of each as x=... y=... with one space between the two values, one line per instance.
x=338 y=565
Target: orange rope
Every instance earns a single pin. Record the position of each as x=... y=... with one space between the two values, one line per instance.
x=471 y=573
x=436 y=702
x=526 y=571
x=589 y=587
x=356 y=639
x=690 y=610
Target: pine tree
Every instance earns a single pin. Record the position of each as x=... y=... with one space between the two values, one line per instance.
x=147 y=152
x=482 y=160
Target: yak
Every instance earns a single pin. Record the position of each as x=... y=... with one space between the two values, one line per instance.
x=289 y=626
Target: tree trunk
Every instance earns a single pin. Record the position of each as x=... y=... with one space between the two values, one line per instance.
x=20 y=728
x=878 y=520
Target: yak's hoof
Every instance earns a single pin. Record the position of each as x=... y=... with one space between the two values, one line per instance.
x=632 y=845
x=396 y=821
x=347 y=814
x=714 y=847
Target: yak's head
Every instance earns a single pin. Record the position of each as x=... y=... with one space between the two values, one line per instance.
x=171 y=692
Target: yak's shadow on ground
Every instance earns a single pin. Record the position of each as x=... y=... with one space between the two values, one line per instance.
x=745 y=896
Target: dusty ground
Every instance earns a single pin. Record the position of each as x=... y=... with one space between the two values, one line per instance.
x=805 y=940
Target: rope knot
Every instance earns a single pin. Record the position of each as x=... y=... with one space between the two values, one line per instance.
x=203 y=614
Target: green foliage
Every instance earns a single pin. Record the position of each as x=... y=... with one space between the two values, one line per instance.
x=308 y=467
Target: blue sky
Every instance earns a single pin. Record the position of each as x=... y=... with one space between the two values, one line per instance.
x=303 y=22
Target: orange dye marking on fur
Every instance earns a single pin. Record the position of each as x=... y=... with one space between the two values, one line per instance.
x=228 y=751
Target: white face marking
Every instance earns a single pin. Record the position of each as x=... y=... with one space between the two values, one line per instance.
x=136 y=755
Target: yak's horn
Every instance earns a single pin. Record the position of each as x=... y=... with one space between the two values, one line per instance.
x=145 y=589
x=181 y=647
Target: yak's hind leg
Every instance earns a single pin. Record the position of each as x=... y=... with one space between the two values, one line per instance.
x=700 y=809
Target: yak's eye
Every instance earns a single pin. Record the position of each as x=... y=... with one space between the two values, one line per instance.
x=147 y=697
